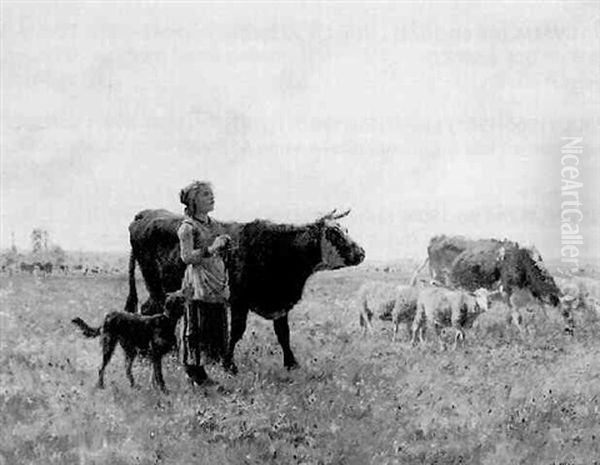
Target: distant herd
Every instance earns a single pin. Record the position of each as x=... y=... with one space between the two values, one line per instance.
x=47 y=268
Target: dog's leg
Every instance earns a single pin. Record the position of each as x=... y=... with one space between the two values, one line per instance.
x=157 y=367
x=129 y=359
x=108 y=348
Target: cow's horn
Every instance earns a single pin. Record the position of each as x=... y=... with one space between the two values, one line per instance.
x=340 y=215
x=328 y=216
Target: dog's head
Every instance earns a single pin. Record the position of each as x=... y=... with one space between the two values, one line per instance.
x=174 y=305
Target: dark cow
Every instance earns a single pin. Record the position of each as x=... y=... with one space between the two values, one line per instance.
x=268 y=266
x=27 y=267
x=46 y=268
x=456 y=261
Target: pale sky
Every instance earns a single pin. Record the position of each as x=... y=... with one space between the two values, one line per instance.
x=422 y=118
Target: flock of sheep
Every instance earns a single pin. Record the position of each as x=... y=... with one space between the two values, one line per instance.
x=426 y=306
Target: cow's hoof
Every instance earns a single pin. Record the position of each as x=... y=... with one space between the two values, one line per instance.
x=292 y=366
x=230 y=368
x=207 y=383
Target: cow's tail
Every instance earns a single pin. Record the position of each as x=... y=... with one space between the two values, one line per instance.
x=87 y=330
x=132 y=298
x=413 y=279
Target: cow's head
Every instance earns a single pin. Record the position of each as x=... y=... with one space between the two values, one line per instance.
x=538 y=278
x=338 y=249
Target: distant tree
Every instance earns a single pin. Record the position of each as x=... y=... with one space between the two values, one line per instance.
x=58 y=255
x=39 y=240
x=13 y=247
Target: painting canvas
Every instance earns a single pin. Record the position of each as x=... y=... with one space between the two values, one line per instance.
x=405 y=160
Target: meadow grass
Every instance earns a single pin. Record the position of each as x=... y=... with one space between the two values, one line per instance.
x=497 y=400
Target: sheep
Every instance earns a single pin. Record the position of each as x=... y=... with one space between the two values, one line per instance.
x=405 y=306
x=387 y=301
x=498 y=319
x=375 y=298
x=441 y=307
x=521 y=311
x=581 y=295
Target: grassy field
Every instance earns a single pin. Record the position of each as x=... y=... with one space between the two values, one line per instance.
x=354 y=401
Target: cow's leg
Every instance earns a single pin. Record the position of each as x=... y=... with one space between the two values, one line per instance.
x=515 y=314
x=238 y=327
x=516 y=319
x=282 y=329
x=154 y=282
x=364 y=319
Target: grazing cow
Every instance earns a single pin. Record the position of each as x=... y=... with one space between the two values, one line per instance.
x=93 y=270
x=45 y=268
x=268 y=266
x=441 y=307
x=27 y=267
x=443 y=252
x=489 y=263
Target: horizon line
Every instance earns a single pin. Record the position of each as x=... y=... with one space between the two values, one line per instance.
x=126 y=252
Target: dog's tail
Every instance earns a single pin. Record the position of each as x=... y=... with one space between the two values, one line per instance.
x=87 y=330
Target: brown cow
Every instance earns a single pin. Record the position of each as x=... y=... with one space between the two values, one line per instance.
x=456 y=261
x=268 y=265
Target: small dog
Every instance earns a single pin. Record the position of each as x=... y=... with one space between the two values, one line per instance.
x=152 y=335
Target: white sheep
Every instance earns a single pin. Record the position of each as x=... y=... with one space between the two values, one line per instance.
x=375 y=298
x=387 y=301
x=439 y=307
